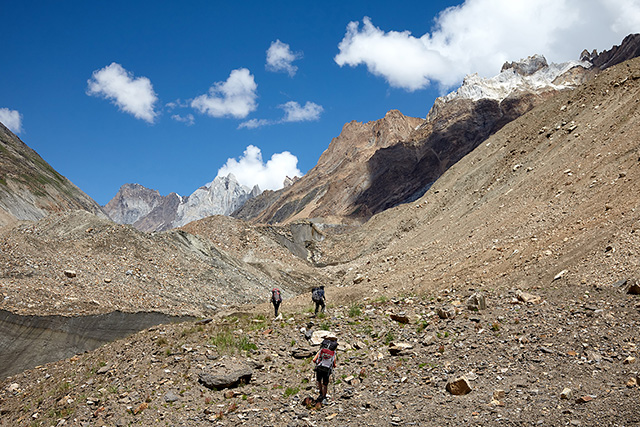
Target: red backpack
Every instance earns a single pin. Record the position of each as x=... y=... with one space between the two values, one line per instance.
x=325 y=360
x=275 y=295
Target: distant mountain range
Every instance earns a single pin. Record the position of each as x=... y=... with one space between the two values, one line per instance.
x=147 y=210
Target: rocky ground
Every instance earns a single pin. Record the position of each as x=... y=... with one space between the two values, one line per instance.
x=75 y=264
x=565 y=357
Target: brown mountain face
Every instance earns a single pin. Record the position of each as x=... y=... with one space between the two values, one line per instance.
x=30 y=188
x=374 y=166
x=330 y=189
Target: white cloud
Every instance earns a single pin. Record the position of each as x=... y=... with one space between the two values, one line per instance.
x=188 y=119
x=280 y=58
x=12 y=119
x=235 y=97
x=480 y=35
x=251 y=170
x=295 y=113
x=255 y=123
x=132 y=95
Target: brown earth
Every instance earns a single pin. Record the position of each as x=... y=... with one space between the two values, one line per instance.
x=547 y=206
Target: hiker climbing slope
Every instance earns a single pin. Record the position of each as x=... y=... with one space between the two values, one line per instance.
x=317 y=296
x=325 y=361
x=276 y=299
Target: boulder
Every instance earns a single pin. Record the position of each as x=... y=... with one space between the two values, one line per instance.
x=318 y=336
x=446 y=313
x=398 y=348
x=219 y=381
x=477 y=302
x=459 y=386
x=301 y=353
x=634 y=288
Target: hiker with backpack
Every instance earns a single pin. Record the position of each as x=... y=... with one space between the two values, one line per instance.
x=276 y=299
x=317 y=296
x=325 y=361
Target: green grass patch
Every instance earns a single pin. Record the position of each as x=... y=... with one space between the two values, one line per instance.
x=355 y=311
x=291 y=391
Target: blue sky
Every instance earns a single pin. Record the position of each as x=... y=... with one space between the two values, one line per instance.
x=165 y=94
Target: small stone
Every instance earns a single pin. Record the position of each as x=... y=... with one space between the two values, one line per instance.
x=594 y=356
x=499 y=394
x=528 y=298
x=70 y=273
x=103 y=370
x=584 y=399
x=459 y=386
x=171 y=397
x=632 y=382
x=566 y=394
x=400 y=318
x=429 y=340
x=14 y=388
x=629 y=360
x=560 y=275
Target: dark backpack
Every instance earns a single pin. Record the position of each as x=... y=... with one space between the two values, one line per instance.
x=317 y=295
x=325 y=360
x=329 y=344
x=275 y=295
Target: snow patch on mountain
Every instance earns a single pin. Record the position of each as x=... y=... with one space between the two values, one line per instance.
x=532 y=74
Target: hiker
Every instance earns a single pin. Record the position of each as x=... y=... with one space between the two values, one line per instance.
x=317 y=296
x=276 y=299
x=325 y=361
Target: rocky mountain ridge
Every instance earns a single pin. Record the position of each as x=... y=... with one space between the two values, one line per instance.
x=147 y=210
x=30 y=188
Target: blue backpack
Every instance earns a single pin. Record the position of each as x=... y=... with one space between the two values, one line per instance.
x=317 y=295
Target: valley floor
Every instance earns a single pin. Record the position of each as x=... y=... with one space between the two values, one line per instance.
x=517 y=357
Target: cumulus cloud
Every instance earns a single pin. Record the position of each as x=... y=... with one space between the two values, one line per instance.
x=235 y=97
x=250 y=169
x=255 y=123
x=280 y=58
x=12 y=119
x=295 y=113
x=132 y=95
x=480 y=35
